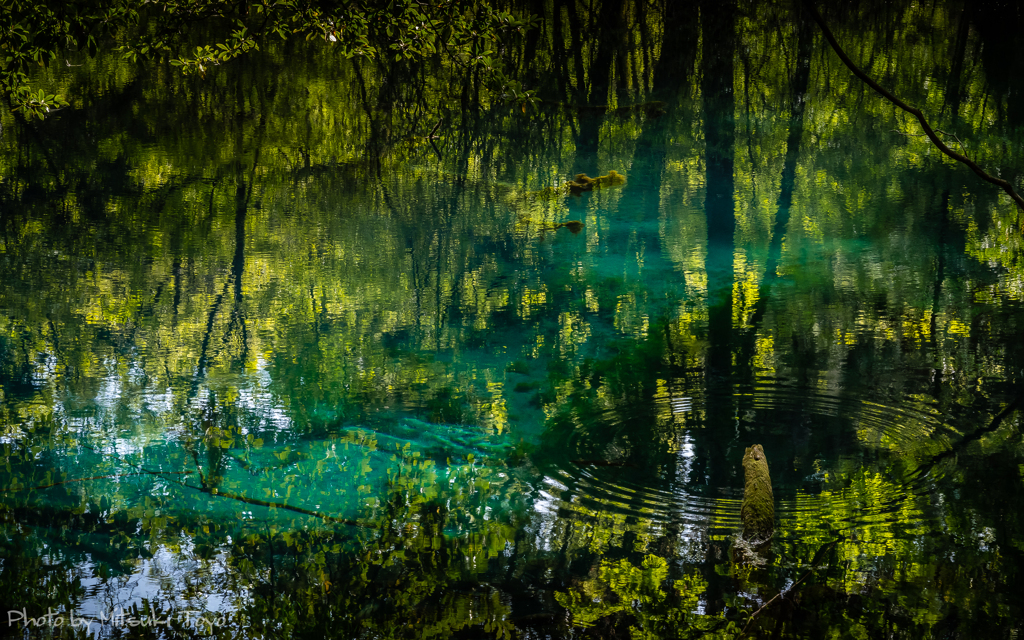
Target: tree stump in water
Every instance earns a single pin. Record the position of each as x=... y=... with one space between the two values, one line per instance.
x=758 y=510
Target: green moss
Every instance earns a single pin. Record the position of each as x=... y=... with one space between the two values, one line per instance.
x=582 y=182
x=758 y=510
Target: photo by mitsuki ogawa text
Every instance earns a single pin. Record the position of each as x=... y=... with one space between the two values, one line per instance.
x=117 y=618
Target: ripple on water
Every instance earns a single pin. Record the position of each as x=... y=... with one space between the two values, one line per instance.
x=838 y=461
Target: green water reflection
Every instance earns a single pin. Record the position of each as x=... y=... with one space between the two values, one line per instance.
x=266 y=358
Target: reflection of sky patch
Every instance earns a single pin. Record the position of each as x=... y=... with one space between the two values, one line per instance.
x=125 y=447
x=158 y=402
x=681 y=405
x=262 y=374
x=109 y=391
x=136 y=374
x=155 y=580
x=686 y=456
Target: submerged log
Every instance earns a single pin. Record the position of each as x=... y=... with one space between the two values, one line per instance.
x=583 y=182
x=758 y=510
x=575 y=226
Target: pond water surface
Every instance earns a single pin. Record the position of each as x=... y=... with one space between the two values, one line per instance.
x=270 y=366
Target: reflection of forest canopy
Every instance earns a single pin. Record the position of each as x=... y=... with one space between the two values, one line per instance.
x=197 y=36
x=189 y=251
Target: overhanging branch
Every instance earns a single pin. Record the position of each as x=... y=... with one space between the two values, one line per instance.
x=999 y=182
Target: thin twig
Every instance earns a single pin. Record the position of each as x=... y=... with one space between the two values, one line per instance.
x=1006 y=186
x=785 y=594
x=431 y=137
x=921 y=135
x=963 y=147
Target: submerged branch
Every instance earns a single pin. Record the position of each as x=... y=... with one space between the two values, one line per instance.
x=973 y=436
x=281 y=505
x=1006 y=186
x=818 y=556
x=205 y=489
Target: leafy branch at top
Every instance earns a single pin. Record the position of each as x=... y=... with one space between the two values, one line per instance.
x=196 y=35
x=39 y=33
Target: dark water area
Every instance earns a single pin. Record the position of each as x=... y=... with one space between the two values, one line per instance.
x=279 y=357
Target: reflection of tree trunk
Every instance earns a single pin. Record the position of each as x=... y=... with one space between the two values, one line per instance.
x=799 y=84
x=669 y=83
x=609 y=43
x=801 y=78
x=577 y=55
x=719 y=134
x=176 y=271
x=940 y=275
x=1001 y=57
x=237 y=269
x=953 y=93
x=204 y=349
x=645 y=53
x=238 y=261
x=243 y=194
x=718 y=49
x=379 y=113
x=678 y=50
x=561 y=66
x=536 y=8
